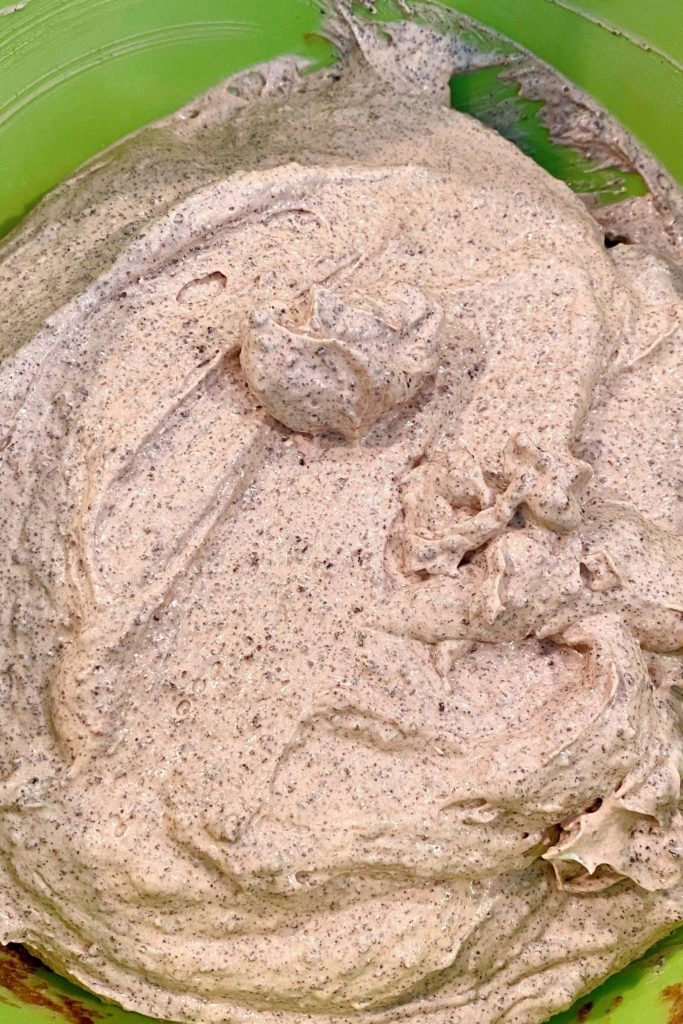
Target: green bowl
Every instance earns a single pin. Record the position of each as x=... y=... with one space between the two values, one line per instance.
x=75 y=75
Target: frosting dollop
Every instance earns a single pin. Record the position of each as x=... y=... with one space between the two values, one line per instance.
x=341 y=371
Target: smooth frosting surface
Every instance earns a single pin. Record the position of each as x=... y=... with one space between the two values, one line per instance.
x=342 y=584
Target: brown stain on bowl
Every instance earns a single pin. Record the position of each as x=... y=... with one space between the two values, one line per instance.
x=674 y=995
x=18 y=975
x=584 y=1011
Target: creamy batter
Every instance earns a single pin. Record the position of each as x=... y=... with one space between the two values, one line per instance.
x=342 y=574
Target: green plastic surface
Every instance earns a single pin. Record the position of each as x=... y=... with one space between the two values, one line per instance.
x=75 y=75
x=626 y=53
x=647 y=992
x=496 y=101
